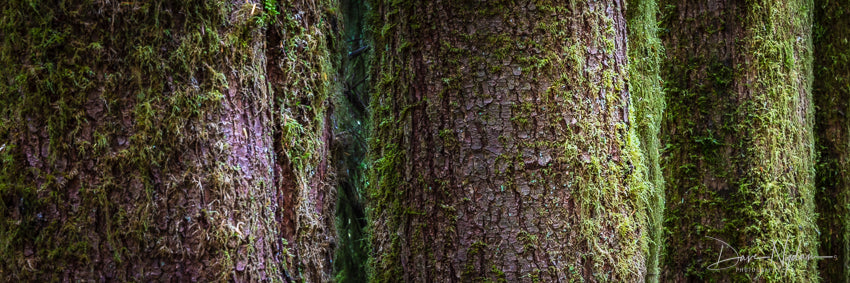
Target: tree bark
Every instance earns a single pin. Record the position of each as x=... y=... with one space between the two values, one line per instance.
x=831 y=95
x=502 y=146
x=738 y=132
x=141 y=141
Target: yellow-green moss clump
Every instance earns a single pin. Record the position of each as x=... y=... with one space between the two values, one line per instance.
x=647 y=97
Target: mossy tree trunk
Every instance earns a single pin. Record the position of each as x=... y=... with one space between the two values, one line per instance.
x=645 y=85
x=832 y=98
x=738 y=132
x=502 y=144
x=303 y=46
x=144 y=141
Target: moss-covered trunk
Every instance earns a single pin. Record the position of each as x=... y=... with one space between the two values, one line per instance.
x=645 y=85
x=832 y=97
x=738 y=133
x=503 y=148
x=158 y=140
x=303 y=46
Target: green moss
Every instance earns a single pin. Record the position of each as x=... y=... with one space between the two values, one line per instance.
x=130 y=98
x=590 y=174
x=647 y=97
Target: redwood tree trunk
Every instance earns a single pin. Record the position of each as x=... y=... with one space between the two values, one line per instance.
x=141 y=141
x=503 y=148
x=739 y=140
x=832 y=97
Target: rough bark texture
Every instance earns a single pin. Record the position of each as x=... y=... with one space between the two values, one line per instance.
x=141 y=141
x=832 y=98
x=502 y=144
x=739 y=138
x=645 y=86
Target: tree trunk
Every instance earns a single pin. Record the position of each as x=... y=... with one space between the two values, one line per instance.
x=739 y=138
x=645 y=86
x=141 y=141
x=832 y=95
x=502 y=143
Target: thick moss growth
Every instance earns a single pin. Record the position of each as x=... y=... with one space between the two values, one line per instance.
x=647 y=96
